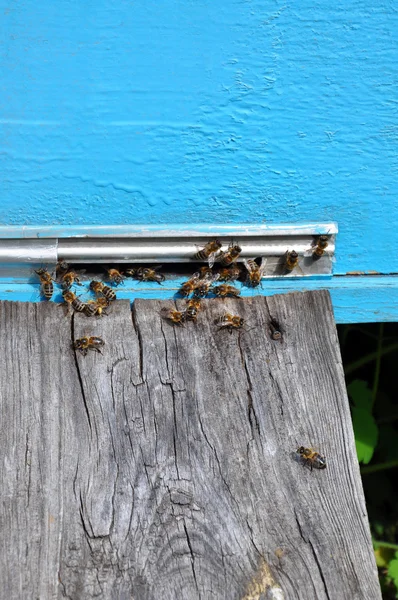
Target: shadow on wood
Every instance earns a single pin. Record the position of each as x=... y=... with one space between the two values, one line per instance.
x=164 y=467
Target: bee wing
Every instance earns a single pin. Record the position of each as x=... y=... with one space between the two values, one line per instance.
x=215 y=277
x=212 y=259
x=263 y=265
x=157 y=267
x=309 y=251
x=248 y=266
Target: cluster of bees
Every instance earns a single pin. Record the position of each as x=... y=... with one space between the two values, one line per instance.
x=199 y=286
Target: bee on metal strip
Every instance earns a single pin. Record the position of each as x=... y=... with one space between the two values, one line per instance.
x=255 y=272
x=85 y=344
x=209 y=252
x=318 y=248
x=228 y=257
x=46 y=280
x=311 y=458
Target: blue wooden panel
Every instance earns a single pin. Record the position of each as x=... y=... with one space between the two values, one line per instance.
x=195 y=111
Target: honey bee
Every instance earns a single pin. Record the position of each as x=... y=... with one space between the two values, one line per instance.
x=69 y=279
x=228 y=257
x=131 y=273
x=73 y=301
x=230 y=322
x=255 y=272
x=96 y=307
x=310 y=458
x=61 y=268
x=275 y=330
x=224 y=290
x=189 y=286
x=46 y=280
x=85 y=344
x=100 y=288
x=205 y=272
x=145 y=274
x=290 y=261
x=115 y=276
x=175 y=316
x=230 y=274
x=318 y=248
x=209 y=252
x=202 y=288
x=193 y=307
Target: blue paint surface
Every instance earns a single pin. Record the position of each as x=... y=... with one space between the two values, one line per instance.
x=354 y=299
x=196 y=111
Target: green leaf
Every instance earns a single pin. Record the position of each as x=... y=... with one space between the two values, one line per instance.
x=393 y=571
x=366 y=434
x=360 y=394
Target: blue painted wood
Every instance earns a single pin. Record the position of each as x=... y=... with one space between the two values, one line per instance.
x=183 y=112
x=355 y=299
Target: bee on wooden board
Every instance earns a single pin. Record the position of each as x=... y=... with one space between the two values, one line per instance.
x=146 y=274
x=177 y=317
x=318 y=248
x=255 y=272
x=189 y=286
x=193 y=307
x=230 y=322
x=311 y=458
x=85 y=344
x=275 y=330
x=209 y=252
x=46 y=280
x=228 y=275
x=73 y=301
x=100 y=288
x=224 y=290
x=228 y=257
x=96 y=307
x=202 y=288
x=115 y=276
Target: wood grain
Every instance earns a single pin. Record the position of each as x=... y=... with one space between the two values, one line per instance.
x=164 y=467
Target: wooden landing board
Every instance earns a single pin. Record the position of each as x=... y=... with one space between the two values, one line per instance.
x=164 y=468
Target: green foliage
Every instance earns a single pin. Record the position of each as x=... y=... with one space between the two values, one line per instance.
x=393 y=570
x=365 y=429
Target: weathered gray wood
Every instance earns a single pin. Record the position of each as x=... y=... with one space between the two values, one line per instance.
x=163 y=468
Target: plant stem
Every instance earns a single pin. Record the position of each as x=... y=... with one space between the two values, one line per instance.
x=378 y=364
x=391 y=464
x=377 y=544
x=369 y=358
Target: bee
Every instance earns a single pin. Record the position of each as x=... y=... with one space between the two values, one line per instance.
x=209 y=252
x=193 y=307
x=230 y=322
x=228 y=257
x=69 y=279
x=318 y=248
x=205 y=272
x=224 y=290
x=255 y=272
x=131 y=273
x=100 y=288
x=230 y=274
x=311 y=458
x=115 y=276
x=145 y=274
x=61 y=268
x=290 y=261
x=189 y=286
x=96 y=307
x=275 y=330
x=73 y=301
x=46 y=280
x=202 y=288
x=85 y=344
x=175 y=316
